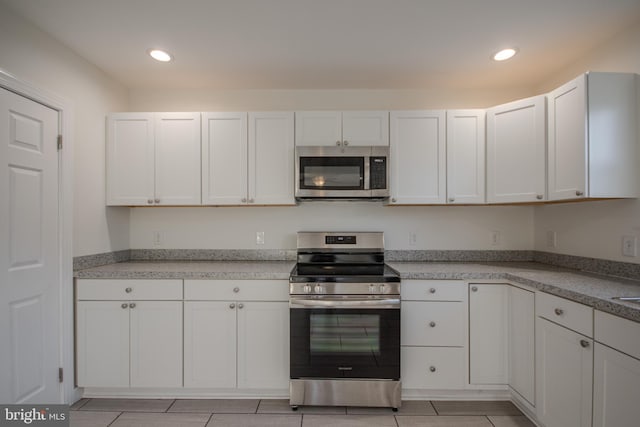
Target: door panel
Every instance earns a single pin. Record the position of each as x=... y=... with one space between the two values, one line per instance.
x=29 y=290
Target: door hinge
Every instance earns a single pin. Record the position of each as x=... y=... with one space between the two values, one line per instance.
x=59 y=142
x=60 y=374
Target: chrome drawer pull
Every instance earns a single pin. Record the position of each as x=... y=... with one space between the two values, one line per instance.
x=584 y=343
x=432 y=368
x=432 y=324
x=559 y=311
x=432 y=290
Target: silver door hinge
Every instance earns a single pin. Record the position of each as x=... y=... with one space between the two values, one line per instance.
x=59 y=142
x=60 y=374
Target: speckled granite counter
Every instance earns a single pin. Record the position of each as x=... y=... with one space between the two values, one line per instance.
x=226 y=270
x=590 y=289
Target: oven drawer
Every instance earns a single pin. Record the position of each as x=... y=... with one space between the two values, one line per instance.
x=434 y=290
x=236 y=290
x=433 y=367
x=433 y=323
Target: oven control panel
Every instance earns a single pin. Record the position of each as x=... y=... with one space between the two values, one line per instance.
x=331 y=288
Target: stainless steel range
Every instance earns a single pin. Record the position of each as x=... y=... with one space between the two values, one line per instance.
x=345 y=322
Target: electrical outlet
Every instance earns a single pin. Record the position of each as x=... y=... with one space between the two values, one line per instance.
x=495 y=238
x=259 y=237
x=629 y=244
x=552 y=239
x=413 y=238
x=157 y=238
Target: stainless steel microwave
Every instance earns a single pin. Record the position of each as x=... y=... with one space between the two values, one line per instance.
x=342 y=172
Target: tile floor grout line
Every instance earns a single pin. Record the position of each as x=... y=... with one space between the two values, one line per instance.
x=490 y=422
x=114 y=420
x=170 y=406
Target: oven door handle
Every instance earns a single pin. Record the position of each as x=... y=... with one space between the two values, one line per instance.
x=364 y=303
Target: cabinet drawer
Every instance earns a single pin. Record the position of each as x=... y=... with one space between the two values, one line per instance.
x=616 y=332
x=433 y=323
x=433 y=290
x=236 y=290
x=572 y=315
x=433 y=368
x=130 y=290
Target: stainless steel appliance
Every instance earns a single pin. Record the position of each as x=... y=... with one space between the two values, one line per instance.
x=345 y=322
x=342 y=172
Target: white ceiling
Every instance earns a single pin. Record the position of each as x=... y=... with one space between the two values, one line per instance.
x=329 y=44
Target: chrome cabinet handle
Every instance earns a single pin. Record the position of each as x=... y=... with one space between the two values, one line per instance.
x=132 y=305
x=128 y=290
x=345 y=143
x=236 y=289
x=432 y=368
x=579 y=193
x=584 y=343
x=539 y=196
x=244 y=200
x=232 y=306
x=558 y=311
x=474 y=289
x=432 y=324
x=451 y=200
x=432 y=290
x=150 y=201
x=393 y=200
x=157 y=201
x=240 y=306
x=338 y=143
x=124 y=305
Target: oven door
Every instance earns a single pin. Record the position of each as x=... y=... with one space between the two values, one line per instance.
x=345 y=337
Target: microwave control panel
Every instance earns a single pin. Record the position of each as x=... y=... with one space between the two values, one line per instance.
x=378 y=173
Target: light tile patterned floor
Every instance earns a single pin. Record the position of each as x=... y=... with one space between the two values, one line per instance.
x=277 y=413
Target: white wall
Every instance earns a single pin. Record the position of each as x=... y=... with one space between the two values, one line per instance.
x=34 y=57
x=436 y=227
x=594 y=229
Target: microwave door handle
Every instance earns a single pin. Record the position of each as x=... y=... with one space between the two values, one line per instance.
x=367 y=174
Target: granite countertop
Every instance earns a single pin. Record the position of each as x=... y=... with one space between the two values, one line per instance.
x=586 y=288
x=590 y=289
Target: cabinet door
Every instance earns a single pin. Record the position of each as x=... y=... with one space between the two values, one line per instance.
x=361 y=128
x=516 y=159
x=435 y=368
x=567 y=139
x=263 y=345
x=521 y=339
x=271 y=158
x=465 y=156
x=564 y=371
x=418 y=157
x=210 y=344
x=318 y=128
x=616 y=390
x=224 y=158
x=488 y=312
x=156 y=343
x=177 y=159
x=102 y=341
x=130 y=159
x=433 y=323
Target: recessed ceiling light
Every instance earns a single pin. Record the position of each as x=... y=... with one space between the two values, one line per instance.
x=505 y=54
x=160 y=55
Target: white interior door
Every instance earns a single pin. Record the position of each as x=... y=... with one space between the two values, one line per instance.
x=29 y=253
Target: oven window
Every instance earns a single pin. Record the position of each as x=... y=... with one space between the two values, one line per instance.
x=332 y=334
x=341 y=173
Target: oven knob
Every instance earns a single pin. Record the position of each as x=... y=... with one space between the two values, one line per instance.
x=306 y=289
x=372 y=288
x=318 y=289
x=383 y=288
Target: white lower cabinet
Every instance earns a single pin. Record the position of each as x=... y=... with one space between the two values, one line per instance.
x=236 y=343
x=129 y=342
x=616 y=393
x=433 y=336
x=564 y=364
x=521 y=343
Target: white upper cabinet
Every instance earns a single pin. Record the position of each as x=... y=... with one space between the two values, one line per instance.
x=153 y=159
x=466 y=156
x=248 y=158
x=593 y=137
x=349 y=128
x=271 y=158
x=418 y=157
x=516 y=157
x=224 y=158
